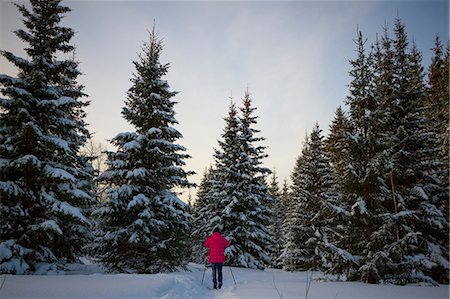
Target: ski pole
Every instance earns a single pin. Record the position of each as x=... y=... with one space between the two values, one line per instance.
x=204 y=270
x=232 y=274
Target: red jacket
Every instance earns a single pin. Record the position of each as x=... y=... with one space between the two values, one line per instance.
x=216 y=244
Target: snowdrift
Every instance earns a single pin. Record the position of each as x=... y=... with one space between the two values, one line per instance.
x=89 y=282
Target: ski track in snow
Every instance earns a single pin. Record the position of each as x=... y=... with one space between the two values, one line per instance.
x=187 y=285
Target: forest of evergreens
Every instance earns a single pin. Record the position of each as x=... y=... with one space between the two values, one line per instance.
x=368 y=202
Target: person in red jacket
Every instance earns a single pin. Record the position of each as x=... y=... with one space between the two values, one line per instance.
x=216 y=244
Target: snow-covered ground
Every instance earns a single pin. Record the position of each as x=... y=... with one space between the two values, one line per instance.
x=184 y=285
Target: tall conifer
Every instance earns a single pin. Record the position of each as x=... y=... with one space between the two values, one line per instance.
x=247 y=213
x=364 y=173
x=335 y=142
x=201 y=216
x=240 y=202
x=278 y=215
x=313 y=206
x=146 y=224
x=46 y=185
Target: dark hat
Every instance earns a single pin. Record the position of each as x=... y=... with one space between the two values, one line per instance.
x=216 y=229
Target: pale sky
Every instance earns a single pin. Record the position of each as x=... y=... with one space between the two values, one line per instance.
x=292 y=55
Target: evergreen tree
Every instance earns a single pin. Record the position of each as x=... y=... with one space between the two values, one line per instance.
x=247 y=213
x=335 y=143
x=313 y=200
x=402 y=218
x=429 y=202
x=404 y=114
x=437 y=116
x=284 y=200
x=425 y=256
x=292 y=257
x=46 y=185
x=404 y=144
x=146 y=224
x=384 y=88
x=330 y=212
x=226 y=177
x=304 y=191
x=278 y=216
x=336 y=257
x=418 y=219
x=240 y=202
x=201 y=216
x=364 y=187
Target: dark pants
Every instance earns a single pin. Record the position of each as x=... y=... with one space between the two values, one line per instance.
x=217 y=272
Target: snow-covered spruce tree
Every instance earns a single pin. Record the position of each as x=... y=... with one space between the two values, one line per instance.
x=335 y=142
x=429 y=202
x=201 y=215
x=223 y=183
x=384 y=92
x=417 y=220
x=253 y=212
x=437 y=115
x=278 y=215
x=239 y=192
x=313 y=199
x=324 y=192
x=284 y=199
x=255 y=206
x=292 y=257
x=436 y=165
x=365 y=189
x=398 y=216
x=146 y=226
x=46 y=185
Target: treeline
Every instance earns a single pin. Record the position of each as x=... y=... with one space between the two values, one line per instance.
x=370 y=201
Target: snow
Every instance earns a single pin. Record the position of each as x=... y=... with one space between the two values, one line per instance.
x=5 y=252
x=58 y=173
x=118 y=163
x=10 y=188
x=14 y=265
x=131 y=145
x=420 y=192
x=58 y=142
x=48 y=269
x=436 y=255
x=9 y=78
x=137 y=173
x=162 y=82
x=155 y=95
x=75 y=192
x=68 y=209
x=59 y=102
x=139 y=199
x=361 y=205
x=51 y=225
x=172 y=197
x=27 y=159
x=88 y=282
x=125 y=190
x=9 y=262
x=21 y=91
x=154 y=131
x=126 y=135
